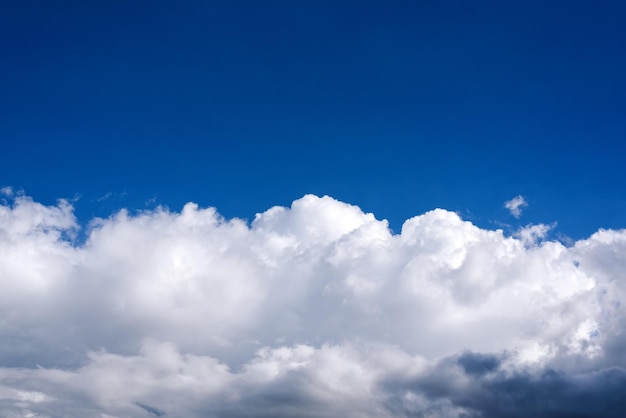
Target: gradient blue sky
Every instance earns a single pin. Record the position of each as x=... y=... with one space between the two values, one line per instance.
x=398 y=107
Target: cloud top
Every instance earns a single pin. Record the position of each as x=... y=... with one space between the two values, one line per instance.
x=311 y=310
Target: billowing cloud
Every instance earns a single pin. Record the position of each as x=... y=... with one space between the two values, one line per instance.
x=515 y=205
x=316 y=310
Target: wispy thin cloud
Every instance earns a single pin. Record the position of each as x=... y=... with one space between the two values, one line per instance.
x=515 y=205
x=104 y=197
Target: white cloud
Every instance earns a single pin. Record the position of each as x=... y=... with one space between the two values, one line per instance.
x=532 y=234
x=313 y=310
x=515 y=205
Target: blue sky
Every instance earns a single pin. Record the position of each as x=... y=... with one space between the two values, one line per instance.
x=313 y=122
x=397 y=107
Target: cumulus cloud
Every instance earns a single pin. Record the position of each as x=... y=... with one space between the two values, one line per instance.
x=316 y=310
x=515 y=205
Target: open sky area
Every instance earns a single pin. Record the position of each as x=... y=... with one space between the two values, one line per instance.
x=312 y=209
x=397 y=107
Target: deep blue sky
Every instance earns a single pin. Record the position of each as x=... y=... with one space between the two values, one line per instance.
x=398 y=107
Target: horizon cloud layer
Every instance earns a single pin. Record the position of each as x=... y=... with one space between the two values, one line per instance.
x=316 y=310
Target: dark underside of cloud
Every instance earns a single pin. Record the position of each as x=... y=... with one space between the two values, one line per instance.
x=490 y=392
x=316 y=310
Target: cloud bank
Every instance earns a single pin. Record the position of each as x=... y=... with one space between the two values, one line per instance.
x=316 y=310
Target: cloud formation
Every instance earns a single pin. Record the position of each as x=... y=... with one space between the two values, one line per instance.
x=316 y=310
x=515 y=205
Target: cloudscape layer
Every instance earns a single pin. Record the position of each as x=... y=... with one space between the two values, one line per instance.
x=313 y=310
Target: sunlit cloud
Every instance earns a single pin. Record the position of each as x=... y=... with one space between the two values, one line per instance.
x=317 y=309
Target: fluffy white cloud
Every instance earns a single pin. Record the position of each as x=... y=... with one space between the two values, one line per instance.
x=313 y=310
x=515 y=205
